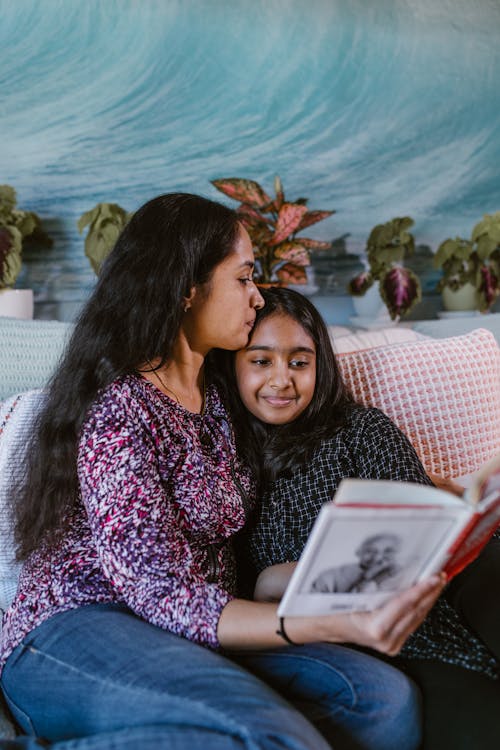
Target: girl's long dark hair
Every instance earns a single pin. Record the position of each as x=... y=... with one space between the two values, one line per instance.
x=272 y=450
x=171 y=244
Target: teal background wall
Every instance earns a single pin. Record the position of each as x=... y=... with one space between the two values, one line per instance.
x=374 y=109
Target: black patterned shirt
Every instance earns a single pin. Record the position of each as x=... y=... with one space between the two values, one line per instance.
x=371 y=446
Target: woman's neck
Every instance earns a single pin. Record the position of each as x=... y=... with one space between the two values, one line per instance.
x=182 y=378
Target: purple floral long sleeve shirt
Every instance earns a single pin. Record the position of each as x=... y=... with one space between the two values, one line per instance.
x=162 y=493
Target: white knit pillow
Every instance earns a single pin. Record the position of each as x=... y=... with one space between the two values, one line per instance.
x=16 y=420
x=444 y=394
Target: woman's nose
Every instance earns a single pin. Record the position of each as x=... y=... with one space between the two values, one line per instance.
x=257 y=299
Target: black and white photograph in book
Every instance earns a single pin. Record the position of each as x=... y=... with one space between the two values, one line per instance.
x=376 y=568
x=356 y=560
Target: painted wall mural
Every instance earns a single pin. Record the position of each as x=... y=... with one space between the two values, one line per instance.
x=375 y=110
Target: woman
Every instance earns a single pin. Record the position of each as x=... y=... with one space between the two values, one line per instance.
x=125 y=520
x=301 y=431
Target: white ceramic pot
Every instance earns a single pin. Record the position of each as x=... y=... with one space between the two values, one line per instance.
x=16 y=303
x=370 y=305
x=464 y=298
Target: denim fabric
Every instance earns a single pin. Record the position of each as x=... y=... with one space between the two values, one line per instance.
x=99 y=678
x=102 y=675
x=354 y=699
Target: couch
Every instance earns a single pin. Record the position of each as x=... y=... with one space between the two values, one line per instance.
x=441 y=386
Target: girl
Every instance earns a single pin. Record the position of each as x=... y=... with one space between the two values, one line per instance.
x=301 y=432
x=132 y=495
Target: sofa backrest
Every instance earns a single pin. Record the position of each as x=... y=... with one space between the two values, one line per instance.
x=29 y=352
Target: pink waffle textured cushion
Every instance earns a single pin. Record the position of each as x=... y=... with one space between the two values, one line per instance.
x=444 y=394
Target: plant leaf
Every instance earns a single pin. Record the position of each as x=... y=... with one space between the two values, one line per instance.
x=105 y=222
x=312 y=217
x=485 y=246
x=280 y=195
x=294 y=252
x=289 y=218
x=245 y=191
x=315 y=244
x=400 y=289
x=10 y=255
x=252 y=216
x=292 y=274
x=457 y=249
x=490 y=226
x=360 y=284
x=8 y=202
x=489 y=288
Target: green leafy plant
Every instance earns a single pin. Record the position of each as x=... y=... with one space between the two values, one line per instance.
x=105 y=222
x=17 y=228
x=273 y=225
x=387 y=246
x=475 y=261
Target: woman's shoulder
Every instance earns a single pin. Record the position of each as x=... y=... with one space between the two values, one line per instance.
x=128 y=398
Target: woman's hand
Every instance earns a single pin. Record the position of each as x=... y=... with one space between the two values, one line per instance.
x=252 y=625
x=384 y=629
x=387 y=628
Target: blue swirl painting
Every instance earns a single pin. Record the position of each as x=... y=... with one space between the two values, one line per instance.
x=374 y=109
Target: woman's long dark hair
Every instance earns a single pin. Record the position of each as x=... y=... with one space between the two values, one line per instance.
x=272 y=450
x=171 y=244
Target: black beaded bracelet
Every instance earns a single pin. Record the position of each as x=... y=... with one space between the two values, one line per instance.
x=282 y=632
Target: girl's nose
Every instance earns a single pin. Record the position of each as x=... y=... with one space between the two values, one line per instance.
x=279 y=377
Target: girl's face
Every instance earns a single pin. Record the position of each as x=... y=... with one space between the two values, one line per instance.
x=276 y=373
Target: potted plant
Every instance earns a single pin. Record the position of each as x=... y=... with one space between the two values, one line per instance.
x=398 y=287
x=105 y=222
x=471 y=268
x=17 y=228
x=273 y=225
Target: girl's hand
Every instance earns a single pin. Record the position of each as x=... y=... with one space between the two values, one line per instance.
x=443 y=483
x=272 y=582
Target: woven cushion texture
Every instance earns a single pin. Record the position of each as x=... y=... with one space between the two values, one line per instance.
x=444 y=394
x=16 y=420
x=30 y=352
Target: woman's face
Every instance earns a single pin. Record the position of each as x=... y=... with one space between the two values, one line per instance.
x=276 y=373
x=221 y=314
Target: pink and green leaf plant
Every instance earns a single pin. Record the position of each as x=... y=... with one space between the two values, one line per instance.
x=473 y=261
x=387 y=246
x=273 y=225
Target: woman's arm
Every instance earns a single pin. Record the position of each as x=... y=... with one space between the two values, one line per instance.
x=253 y=625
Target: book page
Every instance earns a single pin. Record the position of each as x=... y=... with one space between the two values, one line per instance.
x=377 y=492
x=357 y=558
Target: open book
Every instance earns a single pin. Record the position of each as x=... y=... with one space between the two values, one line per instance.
x=379 y=537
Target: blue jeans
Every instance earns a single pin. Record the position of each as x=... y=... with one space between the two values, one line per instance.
x=99 y=678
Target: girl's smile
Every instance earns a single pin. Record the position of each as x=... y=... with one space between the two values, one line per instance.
x=276 y=373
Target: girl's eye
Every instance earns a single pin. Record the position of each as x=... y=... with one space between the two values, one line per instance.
x=246 y=280
x=260 y=362
x=298 y=363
